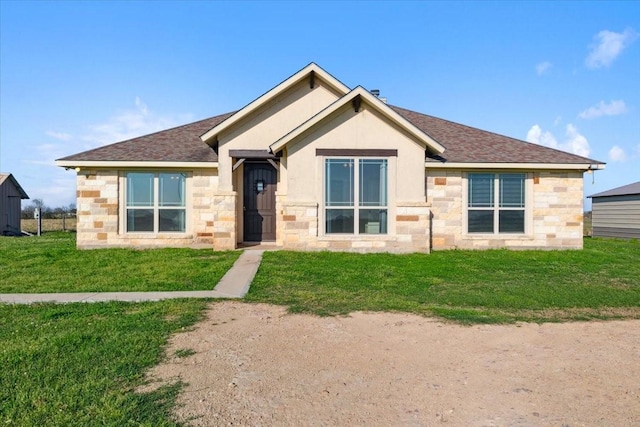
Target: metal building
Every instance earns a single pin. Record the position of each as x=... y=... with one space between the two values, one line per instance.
x=616 y=213
x=11 y=195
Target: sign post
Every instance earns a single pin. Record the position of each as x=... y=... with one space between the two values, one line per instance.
x=38 y=217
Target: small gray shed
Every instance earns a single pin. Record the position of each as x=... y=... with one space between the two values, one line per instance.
x=616 y=213
x=11 y=195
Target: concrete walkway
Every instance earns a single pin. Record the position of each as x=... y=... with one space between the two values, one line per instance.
x=234 y=284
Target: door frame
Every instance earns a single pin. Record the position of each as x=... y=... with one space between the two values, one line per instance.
x=247 y=191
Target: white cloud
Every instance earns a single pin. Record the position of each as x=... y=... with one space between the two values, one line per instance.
x=142 y=107
x=607 y=46
x=613 y=108
x=536 y=136
x=60 y=186
x=130 y=124
x=58 y=189
x=617 y=154
x=574 y=142
x=61 y=136
x=557 y=121
x=45 y=154
x=543 y=67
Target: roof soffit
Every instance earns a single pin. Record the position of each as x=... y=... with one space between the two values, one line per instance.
x=312 y=72
x=356 y=97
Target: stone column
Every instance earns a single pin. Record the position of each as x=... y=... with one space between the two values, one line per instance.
x=224 y=220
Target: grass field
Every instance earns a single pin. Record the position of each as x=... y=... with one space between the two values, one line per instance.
x=602 y=281
x=79 y=364
x=51 y=263
x=31 y=226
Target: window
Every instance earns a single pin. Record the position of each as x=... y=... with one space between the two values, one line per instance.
x=356 y=196
x=155 y=202
x=496 y=202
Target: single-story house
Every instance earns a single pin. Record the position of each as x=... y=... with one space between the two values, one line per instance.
x=616 y=212
x=11 y=195
x=314 y=165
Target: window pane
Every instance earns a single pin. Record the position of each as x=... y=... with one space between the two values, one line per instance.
x=480 y=221
x=480 y=190
x=171 y=190
x=512 y=190
x=339 y=221
x=139 y=189
x=511 y=221
x=339 y=182
x=139 y=220
x=373 y=182
x=171 y=220
x=373 y=221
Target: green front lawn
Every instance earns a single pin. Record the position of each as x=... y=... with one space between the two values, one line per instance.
x=601 y=281
x=51 y=263
x=79 y=364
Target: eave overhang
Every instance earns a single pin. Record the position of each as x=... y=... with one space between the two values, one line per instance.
x=71 y=164
x=520 y=166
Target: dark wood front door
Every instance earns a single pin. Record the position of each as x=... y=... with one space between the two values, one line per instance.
x=259 y=202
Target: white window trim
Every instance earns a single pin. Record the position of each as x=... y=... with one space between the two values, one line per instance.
x=528 y=208
x=389 y=206
x=122 y=220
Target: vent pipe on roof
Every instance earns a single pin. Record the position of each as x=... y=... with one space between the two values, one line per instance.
x=376 y=93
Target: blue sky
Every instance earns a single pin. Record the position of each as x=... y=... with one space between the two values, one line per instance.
x=77 y=75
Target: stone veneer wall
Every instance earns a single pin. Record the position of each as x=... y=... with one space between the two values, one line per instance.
x=97 y=208
x=298 y=229
x=558 y=214
x=557 y=218
x=98 y=195
x=557 y=204
x=224 y=220
x=203 y=184
x=296 y=224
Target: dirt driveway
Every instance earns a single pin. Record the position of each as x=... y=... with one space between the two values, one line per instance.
x=257 y=365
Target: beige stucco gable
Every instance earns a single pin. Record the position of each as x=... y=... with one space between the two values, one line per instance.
x=357 y=99
x=261 y=123
x=281 y=95
x=366 y=130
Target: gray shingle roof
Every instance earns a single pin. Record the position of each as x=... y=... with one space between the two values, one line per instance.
x=625 y=190
x=179 y=144
x=463 y=144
